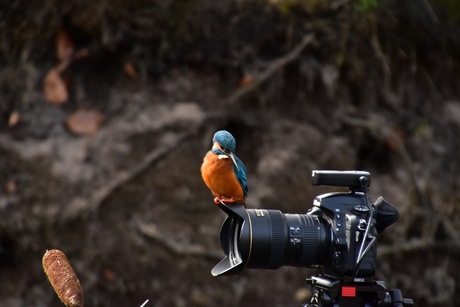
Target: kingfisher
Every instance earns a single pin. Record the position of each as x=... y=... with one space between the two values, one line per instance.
x=223 y=172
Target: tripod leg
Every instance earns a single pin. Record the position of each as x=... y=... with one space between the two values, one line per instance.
x=398 y=300
x=314 y=301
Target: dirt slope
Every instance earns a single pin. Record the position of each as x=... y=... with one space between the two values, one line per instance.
x=302 y=86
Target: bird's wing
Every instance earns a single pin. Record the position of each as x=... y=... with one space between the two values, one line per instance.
x=239 y=169
x=240 y=172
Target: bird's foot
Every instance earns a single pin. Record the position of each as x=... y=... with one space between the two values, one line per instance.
x=219 y=199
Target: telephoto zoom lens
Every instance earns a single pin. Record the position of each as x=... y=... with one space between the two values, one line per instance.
x=271 y=239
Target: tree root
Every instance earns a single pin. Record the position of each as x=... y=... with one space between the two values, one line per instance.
x=273 y=67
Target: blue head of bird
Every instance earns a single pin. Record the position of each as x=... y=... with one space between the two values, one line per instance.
x=225 y=140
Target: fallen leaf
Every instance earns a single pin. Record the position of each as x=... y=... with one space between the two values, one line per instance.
x=130 y=70
x=85 y=122
x=64 y=46
x=109 y=275
x=395 y=139
x=82 y=53
x=55 y=88
x=246 y=80
x=14 y=119
x=10 y=187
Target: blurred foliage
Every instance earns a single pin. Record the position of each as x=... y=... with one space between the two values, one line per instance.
x=309 y=6
x=315 y=6
x=366 y=5
x=452 y=7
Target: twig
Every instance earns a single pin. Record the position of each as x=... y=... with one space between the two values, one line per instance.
x=430 y=11
x=385 y=133
x=79 y=206
x=273 y=67
x=433 y=218
x=419 y=245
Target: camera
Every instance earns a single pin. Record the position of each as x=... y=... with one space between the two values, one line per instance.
x=338 y=234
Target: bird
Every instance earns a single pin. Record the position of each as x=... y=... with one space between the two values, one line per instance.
x=223 y=172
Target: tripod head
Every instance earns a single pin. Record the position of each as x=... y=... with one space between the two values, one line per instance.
x=328 y=291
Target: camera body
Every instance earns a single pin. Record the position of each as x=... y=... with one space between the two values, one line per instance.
x=347 y=215
x=337 y=234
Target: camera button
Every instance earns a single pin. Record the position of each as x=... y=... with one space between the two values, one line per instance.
x=341 y=243
x=295 y=241
x=295 y=231
x=338 y=259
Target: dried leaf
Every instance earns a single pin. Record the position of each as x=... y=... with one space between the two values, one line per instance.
x=82 y=53
x=246 y=80
x=395 y=139
x=130 y=70
x=109 y=275
x=55 y=88
x=14 y=119
x=10 y=187
x=85 y=122
x=64 y=46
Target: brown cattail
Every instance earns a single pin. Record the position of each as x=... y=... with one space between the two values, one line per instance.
x=63 y=278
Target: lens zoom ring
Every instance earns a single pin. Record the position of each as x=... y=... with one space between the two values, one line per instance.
x=310 y=240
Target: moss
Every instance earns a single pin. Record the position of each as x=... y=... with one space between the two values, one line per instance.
x=366 y=5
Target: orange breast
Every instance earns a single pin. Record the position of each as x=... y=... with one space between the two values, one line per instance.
x=220 y=178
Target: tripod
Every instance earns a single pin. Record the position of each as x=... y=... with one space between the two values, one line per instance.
x=329 y=291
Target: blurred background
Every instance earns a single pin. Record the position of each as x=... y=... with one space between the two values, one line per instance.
x=107 y=109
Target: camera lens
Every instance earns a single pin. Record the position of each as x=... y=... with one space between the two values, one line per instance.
x=270 y=239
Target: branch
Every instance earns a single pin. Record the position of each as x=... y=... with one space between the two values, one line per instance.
x=80 y=206
x=273 y=67
x=385 y=133
x=432 y=217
